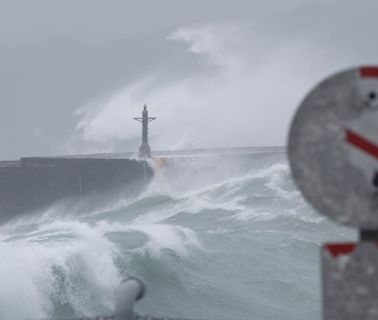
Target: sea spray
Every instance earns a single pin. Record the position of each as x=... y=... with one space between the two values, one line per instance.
x=216 y=237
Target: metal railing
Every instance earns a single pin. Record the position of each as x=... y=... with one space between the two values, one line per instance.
x=131 y=290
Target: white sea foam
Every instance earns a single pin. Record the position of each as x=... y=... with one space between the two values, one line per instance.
x=30 y=261
x=164 y=237
x=264 y=215
x=257 y=215
x=84 y=258
x=225 y=195
x=54 y=259
x=161 y=237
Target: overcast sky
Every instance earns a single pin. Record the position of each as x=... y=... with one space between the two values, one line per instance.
x=215 y=73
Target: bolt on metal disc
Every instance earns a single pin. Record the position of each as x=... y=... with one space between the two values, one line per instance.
x=333 y=147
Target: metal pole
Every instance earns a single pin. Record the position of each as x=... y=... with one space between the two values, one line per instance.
x=130 y=291
x=369 y=235
x=144 y=149
x=145 y=126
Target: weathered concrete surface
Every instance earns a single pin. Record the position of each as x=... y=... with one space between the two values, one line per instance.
x=36 y=183
x=350 y=281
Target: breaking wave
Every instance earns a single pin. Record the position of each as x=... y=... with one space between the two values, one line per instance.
x=214 y=237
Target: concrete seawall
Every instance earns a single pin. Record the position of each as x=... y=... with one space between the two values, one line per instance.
x=36 y=183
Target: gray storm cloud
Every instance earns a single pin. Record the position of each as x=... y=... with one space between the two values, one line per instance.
x=244 y=95
x=73 y=74
x=226 y=104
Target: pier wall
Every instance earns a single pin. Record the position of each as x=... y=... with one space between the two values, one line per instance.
x=36 y=183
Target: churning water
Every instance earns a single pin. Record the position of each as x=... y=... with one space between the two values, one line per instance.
x=214 y=237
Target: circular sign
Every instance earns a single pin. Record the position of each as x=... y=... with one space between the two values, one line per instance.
x=333 y=147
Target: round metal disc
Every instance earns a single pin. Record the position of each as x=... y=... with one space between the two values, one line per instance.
x=333 y=147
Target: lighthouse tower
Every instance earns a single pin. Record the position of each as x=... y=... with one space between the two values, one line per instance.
x=144 y=149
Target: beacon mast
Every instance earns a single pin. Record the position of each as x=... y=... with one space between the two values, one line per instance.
x=144 y=149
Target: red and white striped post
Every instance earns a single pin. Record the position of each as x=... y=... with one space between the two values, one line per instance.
x=333 y=153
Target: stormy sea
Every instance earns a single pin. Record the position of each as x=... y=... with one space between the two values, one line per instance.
x=213 y=236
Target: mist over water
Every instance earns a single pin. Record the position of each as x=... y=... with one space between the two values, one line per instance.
x=215 y=237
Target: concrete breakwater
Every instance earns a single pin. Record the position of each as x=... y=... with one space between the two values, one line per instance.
x=38 y=182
